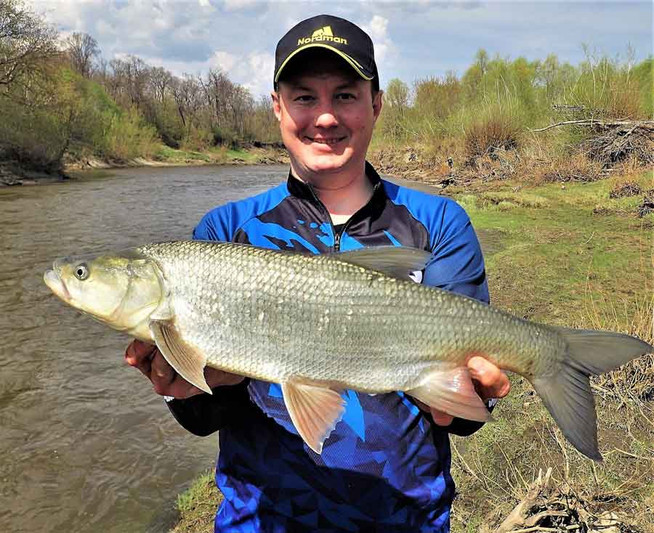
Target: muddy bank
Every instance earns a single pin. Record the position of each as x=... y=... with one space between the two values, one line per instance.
x=13 y=174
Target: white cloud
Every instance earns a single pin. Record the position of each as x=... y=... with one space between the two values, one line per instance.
x=432 y=37
x=377 y=28
x=234 y=5
x=261 y=67
x=223 y=60
x=253 y=70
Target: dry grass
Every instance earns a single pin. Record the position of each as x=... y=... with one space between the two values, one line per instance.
x=491 y=133
x=566 y=168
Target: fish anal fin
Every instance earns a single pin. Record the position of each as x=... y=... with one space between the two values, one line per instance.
x=451 y=391
x=187 y=360
x=315 y=409
x=395 y=261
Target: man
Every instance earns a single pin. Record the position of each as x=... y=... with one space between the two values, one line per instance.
x=385 y=467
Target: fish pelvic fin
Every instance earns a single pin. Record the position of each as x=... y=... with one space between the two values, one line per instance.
x=314 y=409
x=452 y=392
x=187 y=360
x=567 y=395
x=394 y=261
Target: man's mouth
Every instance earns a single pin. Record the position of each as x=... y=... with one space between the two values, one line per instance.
x=327 y=141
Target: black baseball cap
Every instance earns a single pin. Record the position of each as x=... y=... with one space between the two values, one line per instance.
x=332 y=33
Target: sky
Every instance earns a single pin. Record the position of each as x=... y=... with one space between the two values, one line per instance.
x=413 y=39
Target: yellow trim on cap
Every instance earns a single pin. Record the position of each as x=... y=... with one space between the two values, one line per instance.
x=353 y=63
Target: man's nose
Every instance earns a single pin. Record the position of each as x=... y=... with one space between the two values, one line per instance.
x=326 y=116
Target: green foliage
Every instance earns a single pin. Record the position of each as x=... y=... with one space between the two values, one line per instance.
x=60 y=104
x=497 y=100
x=643 y=73
x=127 y=136
x=608 y=89
x=394 y=122
x=31 y=137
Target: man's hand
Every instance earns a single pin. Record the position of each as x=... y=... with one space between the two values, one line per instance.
x=489 y=380
x=166 y=382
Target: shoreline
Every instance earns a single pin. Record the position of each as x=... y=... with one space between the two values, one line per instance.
x=11 y=175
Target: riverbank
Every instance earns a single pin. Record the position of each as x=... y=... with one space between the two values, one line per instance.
x=12 y=174
x=575 y=253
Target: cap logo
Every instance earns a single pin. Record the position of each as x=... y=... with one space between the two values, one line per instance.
x=320 y=35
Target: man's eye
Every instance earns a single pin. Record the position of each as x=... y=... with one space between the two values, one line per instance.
x=345 y=96
x=304 y=98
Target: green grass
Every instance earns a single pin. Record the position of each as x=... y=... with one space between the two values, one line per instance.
x=197 y=506
x=554 y=259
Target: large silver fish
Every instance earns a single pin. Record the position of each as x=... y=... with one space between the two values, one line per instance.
x=321 y=324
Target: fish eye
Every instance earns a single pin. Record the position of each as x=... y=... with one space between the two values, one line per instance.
x=81 y=272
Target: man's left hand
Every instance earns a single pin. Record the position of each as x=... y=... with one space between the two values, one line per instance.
x=489 y=380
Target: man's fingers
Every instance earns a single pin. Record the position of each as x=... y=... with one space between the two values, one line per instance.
x=179 y=388
x=139 y=354
x=162 y=374
x=493 y=383
x=165 y=381
x=215 y=377
x=441 y=418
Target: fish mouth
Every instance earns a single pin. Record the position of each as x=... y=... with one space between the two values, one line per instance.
x=56 y=285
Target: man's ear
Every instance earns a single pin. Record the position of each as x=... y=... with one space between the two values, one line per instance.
x=277 y=105
x=377 y=102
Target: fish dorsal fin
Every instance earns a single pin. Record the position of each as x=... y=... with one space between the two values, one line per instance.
x=395 y=261
x=314 y=408
x=187 y=360
x=451 y=391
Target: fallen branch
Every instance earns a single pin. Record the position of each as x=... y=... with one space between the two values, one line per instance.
x=646 y=124
x=519 y=515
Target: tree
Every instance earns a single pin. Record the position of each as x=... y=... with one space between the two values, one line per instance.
x=129 y=80
x=82 y=49
x=396 y=99
x=26 y=42
x=397 y=94
x=160 y=82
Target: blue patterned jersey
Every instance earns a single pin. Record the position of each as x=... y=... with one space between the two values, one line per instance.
x=386 y=466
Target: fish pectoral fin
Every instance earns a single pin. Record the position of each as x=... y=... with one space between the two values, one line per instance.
x=187 y=360
x=394 y=261
x=163 y=312
x=314 y=408
x=452 y=392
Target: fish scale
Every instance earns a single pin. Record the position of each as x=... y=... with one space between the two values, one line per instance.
x=319 y=324
x=398 y=328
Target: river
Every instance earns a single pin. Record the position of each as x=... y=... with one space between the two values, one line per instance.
x=85 y=445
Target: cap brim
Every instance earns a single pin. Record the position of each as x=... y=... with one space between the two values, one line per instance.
x=353 y=63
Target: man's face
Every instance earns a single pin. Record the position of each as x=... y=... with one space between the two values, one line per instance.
x=326 y=117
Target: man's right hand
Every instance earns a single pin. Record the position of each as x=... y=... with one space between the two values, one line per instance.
x=166 y=382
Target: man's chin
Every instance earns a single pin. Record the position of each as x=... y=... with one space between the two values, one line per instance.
x=328 y=162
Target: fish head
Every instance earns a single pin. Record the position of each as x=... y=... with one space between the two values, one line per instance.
x=122 y=290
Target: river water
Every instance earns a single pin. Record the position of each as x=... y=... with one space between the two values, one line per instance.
x=85 y=445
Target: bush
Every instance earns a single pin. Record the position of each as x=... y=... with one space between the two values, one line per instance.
x=495 y=129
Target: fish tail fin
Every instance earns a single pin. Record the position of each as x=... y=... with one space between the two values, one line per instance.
x=568 y=396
